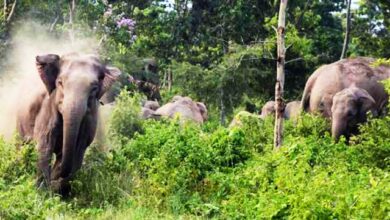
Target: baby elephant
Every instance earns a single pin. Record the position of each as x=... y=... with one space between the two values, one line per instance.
x=349 y=109
x=291 y=110
x=268 y=109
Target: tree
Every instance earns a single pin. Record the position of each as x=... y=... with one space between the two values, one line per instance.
x=347 y=30
x=279 y=104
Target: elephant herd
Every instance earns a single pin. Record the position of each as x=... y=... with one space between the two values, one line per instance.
x=61 y=112
x=344 y=92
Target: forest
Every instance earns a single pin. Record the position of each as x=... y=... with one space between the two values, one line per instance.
x=130 y=157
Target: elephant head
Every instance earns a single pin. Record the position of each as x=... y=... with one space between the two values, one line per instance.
x=68 y=118
x=349 y=108
x=203 y=110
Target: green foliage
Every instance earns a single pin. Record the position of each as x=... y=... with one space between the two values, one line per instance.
x=180 y=169
x=221 y=54
x=125 y=119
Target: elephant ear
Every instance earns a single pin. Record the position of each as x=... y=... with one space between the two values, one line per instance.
x=48 y=68
x=365 y=101
x=111 y=75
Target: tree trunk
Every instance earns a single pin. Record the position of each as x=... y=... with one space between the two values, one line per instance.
x=11 y=13
x=72 y=7
x=169 y=79
x=347 y=30
x=223 y=111
x=279 y=105
x=5 y=9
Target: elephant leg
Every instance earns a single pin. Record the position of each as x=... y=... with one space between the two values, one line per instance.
x=44 y=159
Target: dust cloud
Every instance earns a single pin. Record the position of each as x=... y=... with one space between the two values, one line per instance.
x=20 y=76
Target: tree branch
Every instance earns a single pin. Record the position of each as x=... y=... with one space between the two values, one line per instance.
x=294 y=60
x=12 y=12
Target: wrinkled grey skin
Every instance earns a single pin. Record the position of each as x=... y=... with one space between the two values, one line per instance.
x=62 y=116
x=147 y=113
x=148 y=109
x=152 y=105
x=330 y=79
x=185 y=107
x=349 y=109
x=268 y=109
x=292 y=109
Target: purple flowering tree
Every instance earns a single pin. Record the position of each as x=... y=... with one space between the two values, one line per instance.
x=128 y=26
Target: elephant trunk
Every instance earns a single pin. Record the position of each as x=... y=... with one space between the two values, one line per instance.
x=73 y=113
x=339 y=127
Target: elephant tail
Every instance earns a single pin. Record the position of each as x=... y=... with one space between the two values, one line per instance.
x=305 y=102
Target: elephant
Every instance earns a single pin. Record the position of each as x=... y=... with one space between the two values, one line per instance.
x=148 y=109
x=292 y=110
x=349 y=108
x=330 y=79
x=152 y=105
x=268 y=109
x=185 y=107
x=62 y=113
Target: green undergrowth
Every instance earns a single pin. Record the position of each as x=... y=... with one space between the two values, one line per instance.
x=171 y=170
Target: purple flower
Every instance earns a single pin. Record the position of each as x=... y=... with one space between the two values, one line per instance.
x=126 y=22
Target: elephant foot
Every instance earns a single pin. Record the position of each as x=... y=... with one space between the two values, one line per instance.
x=61 y=186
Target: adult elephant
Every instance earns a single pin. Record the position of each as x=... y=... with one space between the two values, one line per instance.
x=61 y=113
x=345 y=91
x=330 y=79
x=185 y=107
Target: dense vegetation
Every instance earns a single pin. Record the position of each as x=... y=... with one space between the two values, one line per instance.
x=221 y=53
x=169 y=169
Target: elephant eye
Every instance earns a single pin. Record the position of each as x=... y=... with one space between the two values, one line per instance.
x=94 y=90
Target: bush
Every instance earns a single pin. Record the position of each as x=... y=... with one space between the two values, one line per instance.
x=125 y=119
x=172 y=169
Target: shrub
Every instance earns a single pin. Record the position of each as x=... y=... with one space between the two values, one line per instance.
x=125 y=119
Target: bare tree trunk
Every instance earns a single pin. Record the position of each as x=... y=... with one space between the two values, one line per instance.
x=5 y=9
x=72 y=7
x=164 y=82
x=11 y=13
x=169 y=79
x=279 y=105
x=347 y=30
x=223 y=109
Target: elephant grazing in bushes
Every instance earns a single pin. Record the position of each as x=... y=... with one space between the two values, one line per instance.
x=349 y=108
x=185 y=107
x=346 y=90
x=268 y=109
x=330 y=79
x=61 y=116
x=291 y=110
